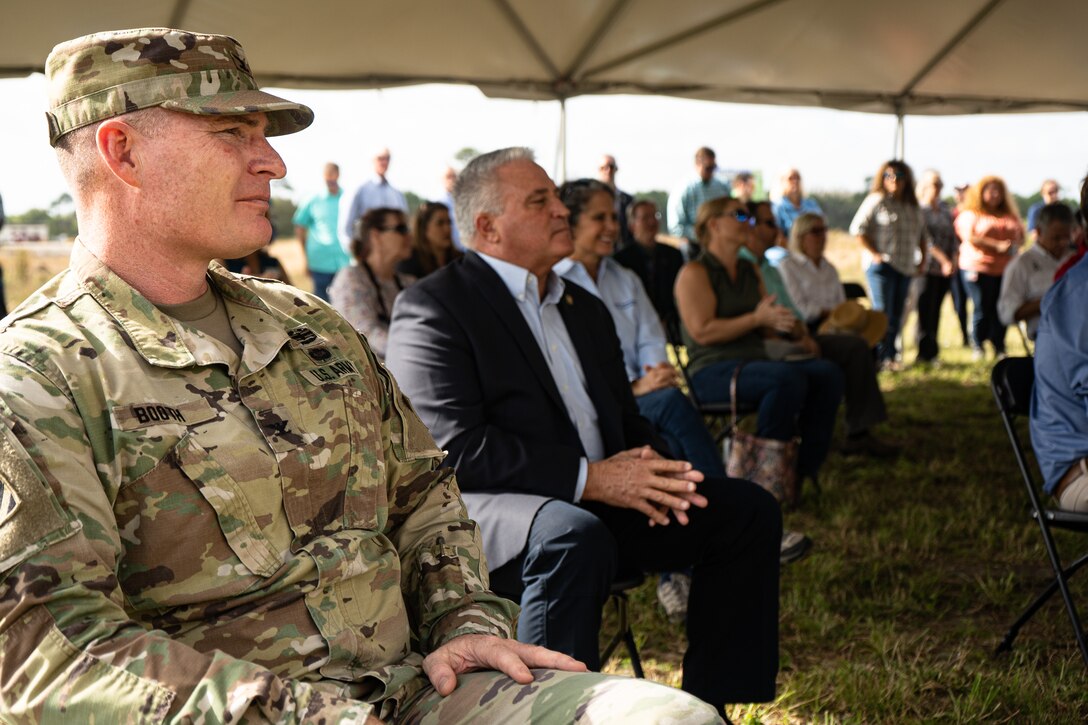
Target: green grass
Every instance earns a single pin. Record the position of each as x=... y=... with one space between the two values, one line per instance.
x=919 y=567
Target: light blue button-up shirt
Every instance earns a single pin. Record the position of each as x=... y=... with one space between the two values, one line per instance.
x=374 y=194
x=1059 y=404
x=544 y=321
x=637 y=325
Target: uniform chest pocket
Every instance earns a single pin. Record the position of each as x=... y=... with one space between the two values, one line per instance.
x=189 y=533
x=334 y=472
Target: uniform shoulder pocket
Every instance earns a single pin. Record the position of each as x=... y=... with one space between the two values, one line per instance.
x=30 y=517
x=410 y=438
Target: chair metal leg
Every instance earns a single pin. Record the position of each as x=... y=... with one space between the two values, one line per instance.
x=1060 y=581
x=624 y=634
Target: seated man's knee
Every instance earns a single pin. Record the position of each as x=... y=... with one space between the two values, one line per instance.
x=564 y=534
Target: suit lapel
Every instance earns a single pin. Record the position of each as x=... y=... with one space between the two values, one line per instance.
x=596 y=384
x=498 y=297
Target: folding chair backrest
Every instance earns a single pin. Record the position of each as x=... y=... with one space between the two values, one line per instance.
x=1012 y=381
x=853 y=291
x=672 y=334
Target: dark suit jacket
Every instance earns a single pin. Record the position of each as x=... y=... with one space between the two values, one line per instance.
x=461 y=350
x=658 y=274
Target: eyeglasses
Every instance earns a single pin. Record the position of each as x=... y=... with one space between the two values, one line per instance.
x=401 y=228
x=897 y=175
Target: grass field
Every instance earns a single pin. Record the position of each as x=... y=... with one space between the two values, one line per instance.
x=918 y=567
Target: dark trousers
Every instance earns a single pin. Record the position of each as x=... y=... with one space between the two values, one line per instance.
x=959 y=301
x=322 y=280
x=888 y=287
x=984 y=289
x=799 y=397
x=934 y=289
x=864 y=401
x=676 y=419
x=563 y=577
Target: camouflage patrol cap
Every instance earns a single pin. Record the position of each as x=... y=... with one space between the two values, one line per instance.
x=103 y=75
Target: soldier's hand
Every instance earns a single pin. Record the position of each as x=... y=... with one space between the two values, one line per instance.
x=486 y=652
x=640 y=479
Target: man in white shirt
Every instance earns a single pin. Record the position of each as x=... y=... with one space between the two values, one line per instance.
x=1030 y=275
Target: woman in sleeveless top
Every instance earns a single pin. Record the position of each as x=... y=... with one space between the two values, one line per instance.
x=726 y=314
x=364 y=292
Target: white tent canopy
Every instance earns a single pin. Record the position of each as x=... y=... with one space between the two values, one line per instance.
x=905 y=57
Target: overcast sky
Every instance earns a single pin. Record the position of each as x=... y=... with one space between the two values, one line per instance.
x=652 y=138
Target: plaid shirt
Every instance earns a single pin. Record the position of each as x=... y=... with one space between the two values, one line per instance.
x=895 y=228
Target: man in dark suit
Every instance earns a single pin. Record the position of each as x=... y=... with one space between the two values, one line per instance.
x=520 y=377
x=656 y=264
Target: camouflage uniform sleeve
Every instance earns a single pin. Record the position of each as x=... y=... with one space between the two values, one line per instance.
x=68 y=650
x=443 y=572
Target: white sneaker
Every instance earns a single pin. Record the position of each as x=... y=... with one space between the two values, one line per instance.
x=672 y=591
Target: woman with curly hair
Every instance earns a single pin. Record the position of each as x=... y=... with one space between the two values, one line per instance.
x=892 y=230
x=990 y=233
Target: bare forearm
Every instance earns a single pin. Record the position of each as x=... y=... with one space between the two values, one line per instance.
x=724 y=329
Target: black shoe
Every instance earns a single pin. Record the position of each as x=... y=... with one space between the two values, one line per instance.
x=869 y=445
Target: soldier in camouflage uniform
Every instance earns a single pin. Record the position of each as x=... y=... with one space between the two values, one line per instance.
x=215 y=504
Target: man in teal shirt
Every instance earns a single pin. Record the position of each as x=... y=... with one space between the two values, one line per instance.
x=315 y=227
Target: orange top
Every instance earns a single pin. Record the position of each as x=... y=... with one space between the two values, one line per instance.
x=970 y=224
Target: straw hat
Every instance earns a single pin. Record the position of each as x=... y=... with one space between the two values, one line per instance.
x=853 y=319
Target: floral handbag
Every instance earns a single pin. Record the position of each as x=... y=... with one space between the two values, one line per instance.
x=770 y=463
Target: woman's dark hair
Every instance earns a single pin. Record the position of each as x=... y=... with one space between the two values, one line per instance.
x=899 y=167
x=428 y=260
x=576 y=194
x=753 y=206
x=364 y=225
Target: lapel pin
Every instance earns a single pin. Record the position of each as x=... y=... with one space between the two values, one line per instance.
x=569 y=300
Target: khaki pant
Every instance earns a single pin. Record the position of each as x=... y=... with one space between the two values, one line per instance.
x=1075 y=495
x=556 y=698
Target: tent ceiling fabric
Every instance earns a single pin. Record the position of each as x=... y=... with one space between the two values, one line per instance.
x=918 y=56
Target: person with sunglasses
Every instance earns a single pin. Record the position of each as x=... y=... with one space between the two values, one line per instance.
x=364 y=292
x=892 y=231
x=726 y=315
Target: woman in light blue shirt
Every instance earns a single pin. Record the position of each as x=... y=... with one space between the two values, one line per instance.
x=654 y=380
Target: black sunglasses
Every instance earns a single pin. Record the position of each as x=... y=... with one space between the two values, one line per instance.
x=401 y=228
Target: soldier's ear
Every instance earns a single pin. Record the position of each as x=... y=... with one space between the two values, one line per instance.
x=116 y=142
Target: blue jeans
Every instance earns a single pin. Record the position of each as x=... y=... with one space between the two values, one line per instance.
x=676 y=419
x=792 y=397
x=322 y=280
x=888 y=287
x=984 y=290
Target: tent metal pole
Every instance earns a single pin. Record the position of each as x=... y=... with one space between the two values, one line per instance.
x=561 y=143
x=900 y=138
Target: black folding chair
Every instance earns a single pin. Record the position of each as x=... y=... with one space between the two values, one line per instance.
x=624 y=632
x=1012 y=380
x=853 y=291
